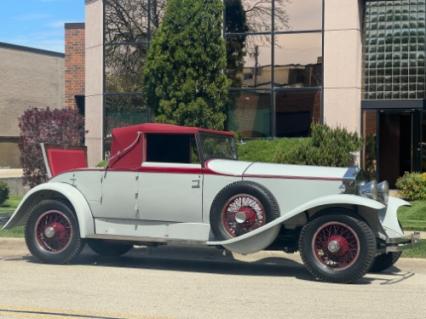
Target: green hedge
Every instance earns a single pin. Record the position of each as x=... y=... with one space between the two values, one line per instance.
x=412 y=186
x=267 y=150
x=326 y=146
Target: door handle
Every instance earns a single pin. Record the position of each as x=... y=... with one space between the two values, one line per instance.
x=196 y=183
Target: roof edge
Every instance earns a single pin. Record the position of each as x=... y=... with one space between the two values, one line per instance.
x=31 y=50
x=75 y=25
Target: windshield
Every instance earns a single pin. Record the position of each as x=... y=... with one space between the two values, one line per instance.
x=216 y=146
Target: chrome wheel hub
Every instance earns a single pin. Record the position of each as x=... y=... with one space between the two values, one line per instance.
x=240 y=217
x=333 y=246
x=49 y=232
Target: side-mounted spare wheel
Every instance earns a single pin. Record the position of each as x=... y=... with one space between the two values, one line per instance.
x=338 y=247
x=52 y=233
x=242 y=207
x=109 y=248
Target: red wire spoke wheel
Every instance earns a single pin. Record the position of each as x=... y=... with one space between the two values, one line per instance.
x=243 y=213
x=336 y=245
x=53 y=231
x=240 y=208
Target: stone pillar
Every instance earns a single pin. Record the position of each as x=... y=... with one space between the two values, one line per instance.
x=343 y=63
x=94 y=81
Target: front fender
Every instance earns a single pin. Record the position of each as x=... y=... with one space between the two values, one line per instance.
x=262 y=237
x=73 y=195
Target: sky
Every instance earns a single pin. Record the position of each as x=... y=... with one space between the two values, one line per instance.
x=38 y=23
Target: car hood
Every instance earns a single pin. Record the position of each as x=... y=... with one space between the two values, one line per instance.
x=268 y=170
x=300 y=171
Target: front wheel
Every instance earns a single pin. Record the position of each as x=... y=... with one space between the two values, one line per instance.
x=337 y=248
x=52 y=234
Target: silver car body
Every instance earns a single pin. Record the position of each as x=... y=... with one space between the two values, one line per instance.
x=170 y=203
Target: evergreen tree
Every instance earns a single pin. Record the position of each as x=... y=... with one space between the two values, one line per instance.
x=185 y=80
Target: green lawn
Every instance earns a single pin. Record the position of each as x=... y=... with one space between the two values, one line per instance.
x=418 y=251
x=414 y=217
x=10 y=205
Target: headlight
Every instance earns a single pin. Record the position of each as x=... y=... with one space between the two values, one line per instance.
x=368 y=189
x=383 y=191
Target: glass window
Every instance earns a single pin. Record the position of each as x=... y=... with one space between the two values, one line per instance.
x=248 y=15
x=124 y=65
x=216 y=146
x=126 y=21
x=123 y=110
x=249 y=60
x=296 y=110
x=298 y=15
x=298 y=60
x=250 y=113
x=167 y=148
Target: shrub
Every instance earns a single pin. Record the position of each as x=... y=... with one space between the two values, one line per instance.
x=4 y=192
x=184 y=78
x=326 y=147
x=412 y=186
x=59 y=126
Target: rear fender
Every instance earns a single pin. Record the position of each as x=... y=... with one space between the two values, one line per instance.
x=54 y=190
x=262 y=237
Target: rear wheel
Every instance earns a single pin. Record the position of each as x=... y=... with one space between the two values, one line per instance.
x=337 y=248
x=384 y=261
x=109 y=248
x=52 y=233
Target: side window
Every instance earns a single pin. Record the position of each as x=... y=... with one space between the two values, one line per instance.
x=167 y=148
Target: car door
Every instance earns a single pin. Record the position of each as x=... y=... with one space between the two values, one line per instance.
x=171 y=180
x=119 y=191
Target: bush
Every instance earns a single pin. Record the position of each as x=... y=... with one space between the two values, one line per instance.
x=59 y=127
x=326 y=147
x=4 y=192
x=266 y=150
x=412 y=186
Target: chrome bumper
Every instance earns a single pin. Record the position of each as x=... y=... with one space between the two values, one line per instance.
x=397 y=244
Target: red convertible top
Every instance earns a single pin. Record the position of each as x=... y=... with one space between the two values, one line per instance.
x=125 y=140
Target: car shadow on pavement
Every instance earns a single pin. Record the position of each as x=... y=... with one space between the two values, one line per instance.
x=193 y=259
x=214 y=261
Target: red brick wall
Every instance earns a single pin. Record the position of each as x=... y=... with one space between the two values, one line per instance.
x=74 y=63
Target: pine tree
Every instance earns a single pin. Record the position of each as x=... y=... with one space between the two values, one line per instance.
x=185 y=80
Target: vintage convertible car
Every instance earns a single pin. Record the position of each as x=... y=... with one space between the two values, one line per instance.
x=167 y=184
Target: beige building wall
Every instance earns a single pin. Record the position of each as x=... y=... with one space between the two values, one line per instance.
x=29 y=78
x=94 y=80
x=343 y=63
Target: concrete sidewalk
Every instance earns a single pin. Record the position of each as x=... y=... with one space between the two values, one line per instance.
x=11 y=173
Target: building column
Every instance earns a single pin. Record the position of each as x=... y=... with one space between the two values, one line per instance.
x=343 y=63
x=94 y=81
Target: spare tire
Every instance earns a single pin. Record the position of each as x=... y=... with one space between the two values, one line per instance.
x=242 y=207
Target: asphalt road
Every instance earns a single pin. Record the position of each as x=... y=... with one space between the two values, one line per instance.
x=198 y=283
